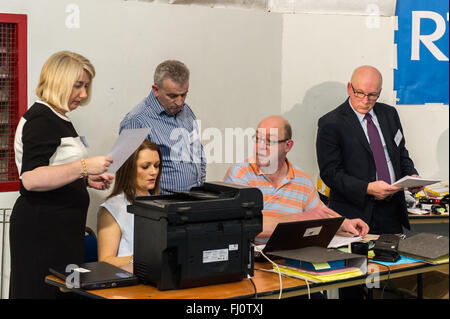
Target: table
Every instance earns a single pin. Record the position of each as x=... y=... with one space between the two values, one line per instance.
x=428 y=223
x=267 y=285
x=429 y=218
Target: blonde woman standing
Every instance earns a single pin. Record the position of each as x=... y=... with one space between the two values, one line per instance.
x=49 y=217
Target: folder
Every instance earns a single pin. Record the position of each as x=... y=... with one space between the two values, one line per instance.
x=353 y=265
x=431 y=248
x=346 y=273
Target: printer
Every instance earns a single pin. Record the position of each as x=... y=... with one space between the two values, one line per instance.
x=196 y=238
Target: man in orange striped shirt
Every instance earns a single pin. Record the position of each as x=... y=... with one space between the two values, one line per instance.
x=289 y=194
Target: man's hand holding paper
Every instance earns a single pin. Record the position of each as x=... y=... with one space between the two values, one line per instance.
x=416 y=189
x=381 y=189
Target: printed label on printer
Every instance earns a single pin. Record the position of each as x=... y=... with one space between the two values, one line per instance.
x=233 y=247
x=313 y=231
x=210 y=256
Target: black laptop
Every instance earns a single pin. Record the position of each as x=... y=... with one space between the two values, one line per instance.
x=306 y=233
x=94 y=275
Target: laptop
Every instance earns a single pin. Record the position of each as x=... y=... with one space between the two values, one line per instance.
x=295 y=235
x=94 y=275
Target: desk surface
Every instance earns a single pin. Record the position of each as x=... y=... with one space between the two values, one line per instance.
x=267 y=285
x=429 y=218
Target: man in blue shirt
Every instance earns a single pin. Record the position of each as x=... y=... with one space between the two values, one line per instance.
x=173 y=127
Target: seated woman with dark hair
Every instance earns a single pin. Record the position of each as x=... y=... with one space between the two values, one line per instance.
x=140 y=175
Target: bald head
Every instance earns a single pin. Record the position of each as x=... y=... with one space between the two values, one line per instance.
x=364 y=88
x=277 y=122
x=367 y=74
x=276 y=133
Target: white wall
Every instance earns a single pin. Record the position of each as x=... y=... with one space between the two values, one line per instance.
x=244 y=65
x=426 y=133
x=234 y=57
x=314 y=82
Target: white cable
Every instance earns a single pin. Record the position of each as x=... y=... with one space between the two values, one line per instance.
x=302 y=278
x=278 y=269
x=309 y=291
x=279 y=273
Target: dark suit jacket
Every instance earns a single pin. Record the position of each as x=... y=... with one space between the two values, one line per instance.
x=346 y=161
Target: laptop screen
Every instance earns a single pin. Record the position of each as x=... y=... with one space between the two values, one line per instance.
x=294 y=235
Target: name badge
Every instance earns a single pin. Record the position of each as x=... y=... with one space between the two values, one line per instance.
x=398 y=138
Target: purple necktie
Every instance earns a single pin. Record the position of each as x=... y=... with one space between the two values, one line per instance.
x=377 y=150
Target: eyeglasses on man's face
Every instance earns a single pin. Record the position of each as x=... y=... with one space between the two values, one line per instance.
x=362 y=95
x=268 y=142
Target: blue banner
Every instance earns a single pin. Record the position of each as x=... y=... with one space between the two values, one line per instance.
x=422 y=52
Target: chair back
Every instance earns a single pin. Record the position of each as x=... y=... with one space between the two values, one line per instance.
x=90 y=246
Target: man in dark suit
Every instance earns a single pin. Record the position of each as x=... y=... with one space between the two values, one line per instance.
x=361 y=151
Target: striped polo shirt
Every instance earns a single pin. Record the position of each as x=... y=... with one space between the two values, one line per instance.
x=294 y=195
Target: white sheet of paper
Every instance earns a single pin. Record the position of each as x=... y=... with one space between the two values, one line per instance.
x=409 y=181
x=127 y=142
x=417 y=211
x=339 y=241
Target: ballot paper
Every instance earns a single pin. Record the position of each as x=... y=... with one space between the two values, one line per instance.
x=339 y=241
x=127 y=142
x=409 y=181
x=417 y=211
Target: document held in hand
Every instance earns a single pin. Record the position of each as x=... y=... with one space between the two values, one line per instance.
x=409 y=181
x=127 y=142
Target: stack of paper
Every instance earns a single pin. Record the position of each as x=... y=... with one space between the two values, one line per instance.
x=319 y=264
x=411 y=182
x=437 y=190
x=339 y=241
x=320 y=276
